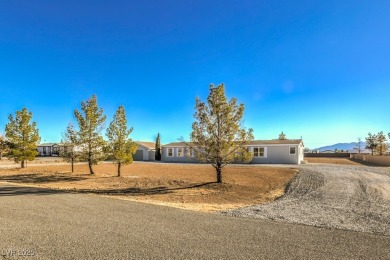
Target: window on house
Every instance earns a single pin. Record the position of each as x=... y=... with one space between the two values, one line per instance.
x=180 y=152
x=292 y=150
x=170 y=152
x=189 y=152
x=258 y=151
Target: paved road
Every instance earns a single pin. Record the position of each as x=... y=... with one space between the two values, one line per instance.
x=55 y=225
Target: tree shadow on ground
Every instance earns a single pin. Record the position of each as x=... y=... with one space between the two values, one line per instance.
x=39 y=178
x=17 y=190
x=10 y=190
x=141 y=191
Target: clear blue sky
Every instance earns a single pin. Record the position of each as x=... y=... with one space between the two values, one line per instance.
x=316 y=69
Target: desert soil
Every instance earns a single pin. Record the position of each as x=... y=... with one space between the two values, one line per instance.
x=188 y=186
x=320 y=160
x=348 y=197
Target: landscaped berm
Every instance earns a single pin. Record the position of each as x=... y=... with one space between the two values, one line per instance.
x=188 y=186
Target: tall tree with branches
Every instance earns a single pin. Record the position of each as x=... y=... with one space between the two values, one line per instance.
x=69 y=145
x=371 y=142
x=157 y=155
x=120 y=146
x=91 y=122
x=23 y=135
x=282 y=136
x=218 y=136
x=382 y=147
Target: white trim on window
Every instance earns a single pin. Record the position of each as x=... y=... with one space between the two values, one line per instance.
x=259 y=151
x=295 y=150
x=180 y=152
x=170 y=152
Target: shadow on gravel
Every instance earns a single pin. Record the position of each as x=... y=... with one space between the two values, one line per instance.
x=15 y=190
x=140 y=191
x=38 y=178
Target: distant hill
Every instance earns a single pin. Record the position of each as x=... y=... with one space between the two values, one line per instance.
x=341 y=146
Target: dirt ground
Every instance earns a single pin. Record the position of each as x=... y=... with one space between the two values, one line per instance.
x=188 y=186
x=344 y=161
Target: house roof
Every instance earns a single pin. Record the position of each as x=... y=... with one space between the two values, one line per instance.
x=275 y=141
x=47 y=144
x=148 y=145
x=254 y=142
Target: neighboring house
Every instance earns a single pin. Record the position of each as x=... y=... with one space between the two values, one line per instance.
x=49 y=149
x=327 y=151
x=145 y=151
x=176 y=152
x=264 y=151
x=362 y=151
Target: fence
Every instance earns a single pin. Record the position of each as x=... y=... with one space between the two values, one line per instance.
x=375 y=159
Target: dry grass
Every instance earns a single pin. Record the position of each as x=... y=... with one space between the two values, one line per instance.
x=180 y=185
x=345 y=161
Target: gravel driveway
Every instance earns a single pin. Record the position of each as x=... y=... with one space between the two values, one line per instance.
x=332 y=196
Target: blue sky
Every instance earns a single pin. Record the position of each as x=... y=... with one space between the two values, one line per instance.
x=316 y=69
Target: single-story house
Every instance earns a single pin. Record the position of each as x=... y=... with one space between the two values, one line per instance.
x=145 y=151
x=362 y=151
x=264 y=152
x=49 y=149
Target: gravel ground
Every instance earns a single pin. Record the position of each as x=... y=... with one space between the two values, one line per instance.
x=344 y=197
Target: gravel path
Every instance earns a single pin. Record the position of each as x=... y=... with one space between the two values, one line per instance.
x=332 y=196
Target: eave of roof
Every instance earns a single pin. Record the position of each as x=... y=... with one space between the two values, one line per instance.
x=254 y=142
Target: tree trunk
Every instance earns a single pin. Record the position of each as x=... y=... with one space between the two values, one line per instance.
x=22 y=164
x=119 y=169
x=72 y=162
x=218 y=168
x=90 y=167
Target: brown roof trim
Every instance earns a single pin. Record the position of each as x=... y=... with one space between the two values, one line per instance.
x=147 y=145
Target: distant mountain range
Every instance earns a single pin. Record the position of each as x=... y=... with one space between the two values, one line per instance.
x=341 y=146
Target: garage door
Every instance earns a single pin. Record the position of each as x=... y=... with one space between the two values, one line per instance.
x=138 y=156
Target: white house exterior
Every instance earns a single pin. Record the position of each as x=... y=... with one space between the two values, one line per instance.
x=145 y=151
x=48 y=149
x=264 y=152
x=277 y=151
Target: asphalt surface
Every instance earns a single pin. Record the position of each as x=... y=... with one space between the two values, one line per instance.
x=44 y=224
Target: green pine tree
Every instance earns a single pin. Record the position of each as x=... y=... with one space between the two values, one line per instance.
x=69 y=143
x=120 y=146
x=91 y=122
x=4 y=146
x=282 y=136
x=23 y=135
x=218 y=136
x=371 y=142
x=157 y=155
x=382 y=147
